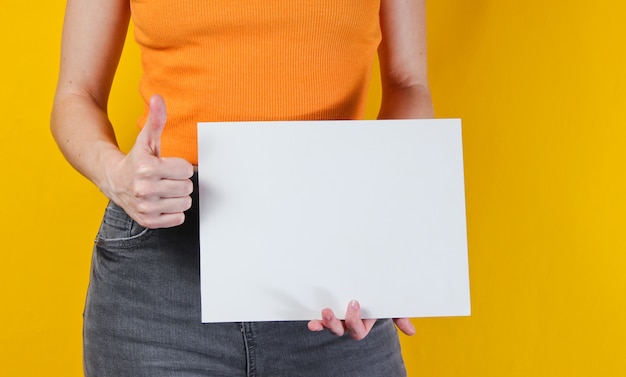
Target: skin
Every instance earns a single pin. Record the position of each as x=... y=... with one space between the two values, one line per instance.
x=154 y=190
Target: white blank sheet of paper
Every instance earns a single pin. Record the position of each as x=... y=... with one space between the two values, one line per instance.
x=299 y=216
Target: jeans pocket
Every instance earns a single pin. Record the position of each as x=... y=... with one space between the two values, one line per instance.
x=118 y=229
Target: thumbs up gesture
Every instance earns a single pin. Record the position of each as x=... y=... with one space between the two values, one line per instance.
x=153 y=190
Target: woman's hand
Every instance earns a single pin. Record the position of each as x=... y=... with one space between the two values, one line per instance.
x=154 y=191
x=353 y=325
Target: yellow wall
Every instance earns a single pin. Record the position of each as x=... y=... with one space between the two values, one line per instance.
x=541 y=88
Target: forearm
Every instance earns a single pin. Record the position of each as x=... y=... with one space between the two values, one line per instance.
x=85 y=136
x=406 y=102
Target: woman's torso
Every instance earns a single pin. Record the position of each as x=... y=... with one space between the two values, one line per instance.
x=229 y=60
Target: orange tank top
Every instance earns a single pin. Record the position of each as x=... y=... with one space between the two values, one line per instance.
x=227 y=60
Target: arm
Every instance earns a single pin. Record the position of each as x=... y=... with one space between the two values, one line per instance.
x=152 y=190
x=403 y=60
x=402 y=55
x=93 y=38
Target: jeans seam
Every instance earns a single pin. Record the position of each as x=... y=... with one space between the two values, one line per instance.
x=249 y=344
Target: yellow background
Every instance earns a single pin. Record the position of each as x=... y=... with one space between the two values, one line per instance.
x=540 y=86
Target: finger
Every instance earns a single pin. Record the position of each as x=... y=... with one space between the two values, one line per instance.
x=149 y=139
x=166 y=220
x=147 y=192
x=357 y=327
x=405 y=325
x=174 y=205
x=332 y=323
x=169 y=188
x=149 y=209
x=315 y=325
x=175 y=168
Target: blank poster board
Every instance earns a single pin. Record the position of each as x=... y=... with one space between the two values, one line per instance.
x=300 y=216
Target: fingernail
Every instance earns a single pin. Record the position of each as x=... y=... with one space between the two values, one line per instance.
x=354 y=305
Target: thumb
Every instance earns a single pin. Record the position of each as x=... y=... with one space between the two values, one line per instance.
x=149 y=139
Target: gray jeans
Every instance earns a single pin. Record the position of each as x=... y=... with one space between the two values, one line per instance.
x=142 y=318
